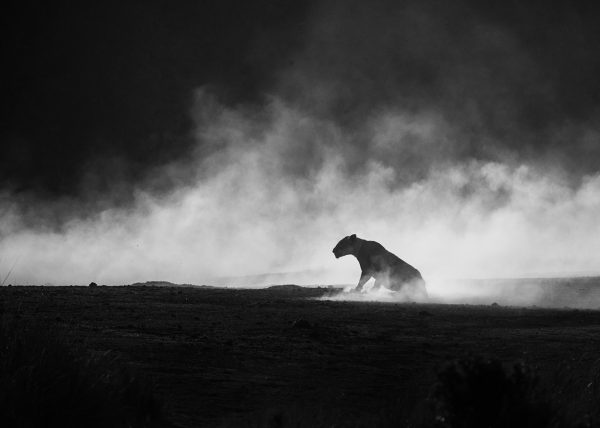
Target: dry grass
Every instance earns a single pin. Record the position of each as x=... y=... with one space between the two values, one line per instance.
x=46 y=380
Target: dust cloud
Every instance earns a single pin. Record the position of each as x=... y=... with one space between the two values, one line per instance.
x=434 y=153
x=247 y=214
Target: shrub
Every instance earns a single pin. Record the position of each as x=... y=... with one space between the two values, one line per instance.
x=477 y=392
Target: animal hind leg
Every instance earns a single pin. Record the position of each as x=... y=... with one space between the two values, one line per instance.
x=420 y=289
x=395 y=283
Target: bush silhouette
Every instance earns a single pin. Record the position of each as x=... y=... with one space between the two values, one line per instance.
x=477 y=392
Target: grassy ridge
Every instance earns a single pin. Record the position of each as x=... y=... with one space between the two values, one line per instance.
x=49 y=380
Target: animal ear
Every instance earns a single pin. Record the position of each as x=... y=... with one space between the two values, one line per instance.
x=353 y=236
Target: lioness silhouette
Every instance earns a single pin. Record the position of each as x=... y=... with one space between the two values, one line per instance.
x=388 y=270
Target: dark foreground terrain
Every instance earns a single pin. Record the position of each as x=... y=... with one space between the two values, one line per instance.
x=280 y=357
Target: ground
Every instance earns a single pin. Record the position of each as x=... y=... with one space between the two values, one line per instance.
x=220 y=356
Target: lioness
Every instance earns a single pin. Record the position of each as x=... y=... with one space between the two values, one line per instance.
x=388 y=270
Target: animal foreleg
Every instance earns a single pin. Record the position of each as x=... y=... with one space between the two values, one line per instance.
x=362 y=281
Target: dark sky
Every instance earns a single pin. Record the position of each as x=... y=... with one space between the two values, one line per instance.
x=111 y=83
x=98 y=94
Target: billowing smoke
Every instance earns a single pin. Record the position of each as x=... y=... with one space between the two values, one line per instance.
x=429 y=128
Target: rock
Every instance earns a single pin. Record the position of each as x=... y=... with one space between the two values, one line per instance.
x=93 y=284
x=495 y=304
x=285 y=287
x=425 y=313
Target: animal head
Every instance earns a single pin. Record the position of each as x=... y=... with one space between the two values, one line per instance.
x=347 y=245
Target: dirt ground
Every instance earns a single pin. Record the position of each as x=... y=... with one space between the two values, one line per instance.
x=223 y=357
